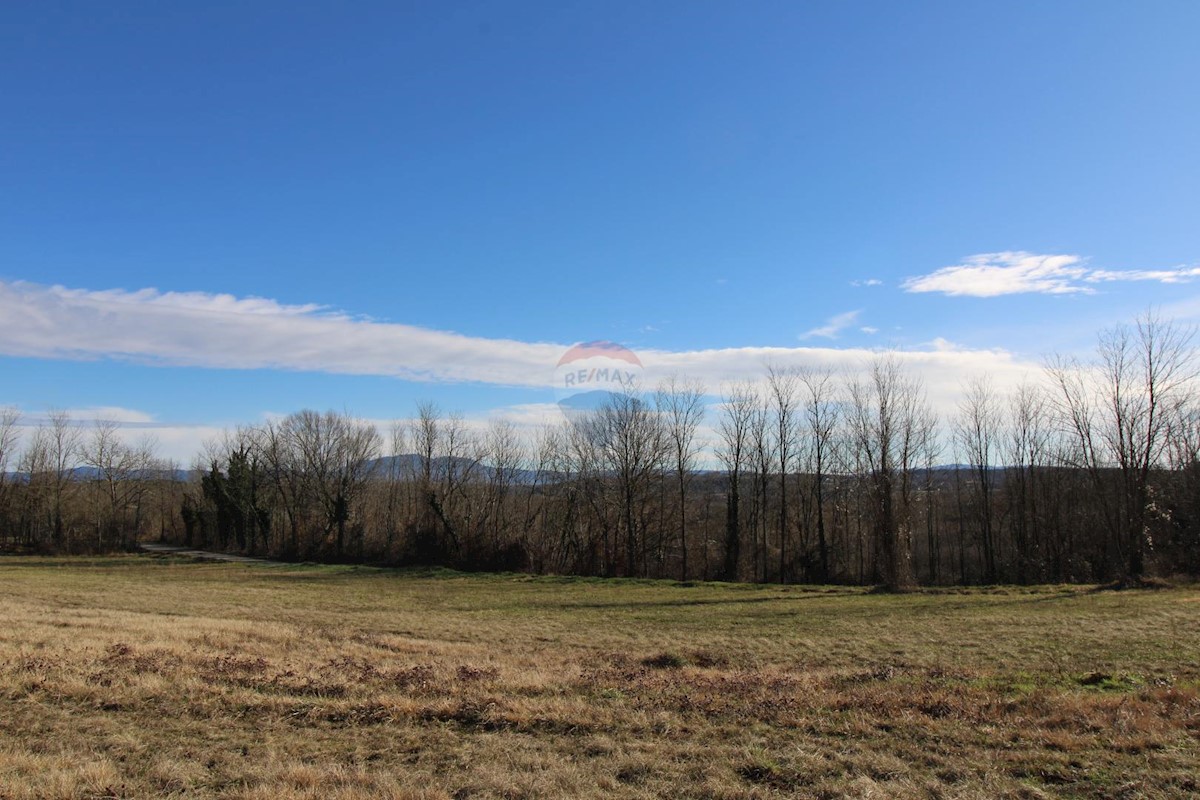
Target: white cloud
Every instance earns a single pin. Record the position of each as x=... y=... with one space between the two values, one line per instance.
x=867 y=329
x=205 y=330
x=994 y=274
x=1019 y=272
x=121 y=416
x=127 y=417
x=180 y=443
x=943 y=345
x=867 y=282
x=221 y=331
x=1180 y=275
x=833 y=326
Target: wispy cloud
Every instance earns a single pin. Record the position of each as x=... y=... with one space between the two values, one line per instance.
x=217 y=330
x=1178 y=275
x=833 y=326
x=114 y=414
x=867 y=282
x=1019 y=272
x=994 y=274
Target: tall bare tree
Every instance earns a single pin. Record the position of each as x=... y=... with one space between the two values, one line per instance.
x=502 y=458
x=338 y=454
x=437 y=534
x=821 y=415
x=738 y=408
x=783 y=386
x=1026 y=452
x=394 y=476
x=9 y=438
x=120 y=474
x=62 y=443
x=681 y=402
x=888 y=417
x=1119 y=410
x=631 y=439
x=284 y=457
x=977 y=433
x=762 y=461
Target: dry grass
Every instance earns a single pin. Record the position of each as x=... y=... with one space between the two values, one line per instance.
x=146 y=677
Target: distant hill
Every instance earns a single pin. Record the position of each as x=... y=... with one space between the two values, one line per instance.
x=91 y=473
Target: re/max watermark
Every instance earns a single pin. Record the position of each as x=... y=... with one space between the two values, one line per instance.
x=600 y=375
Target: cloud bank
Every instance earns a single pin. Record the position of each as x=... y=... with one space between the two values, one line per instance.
x=191 y=329
x=222 y=331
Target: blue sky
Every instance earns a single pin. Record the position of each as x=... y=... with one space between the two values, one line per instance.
x=214 y=211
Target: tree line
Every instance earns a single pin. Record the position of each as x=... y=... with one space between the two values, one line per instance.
x=73 y=489
x=1089 y=472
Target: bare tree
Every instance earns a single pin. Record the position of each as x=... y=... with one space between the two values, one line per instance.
x=681 y=402
x=581 y=458
x=504 y=456
x=426 y=437
x=9 y=438
x=338 y=455
x=1185 y=506
x=437 y=536
x=733 y=448
x=631 y=440
x=929 y=446
x=784 y=390
x=118 y=478
x=822 y=418
x=1025 y=454
x=104 y=453
x=62 y=439
x=546 y=535
x=285 y=462
x=762 y=459
x=461 y=457
x=35 y=465
x=1119 y=410
x=977 y=433
x=888 y=414
x=394 y=477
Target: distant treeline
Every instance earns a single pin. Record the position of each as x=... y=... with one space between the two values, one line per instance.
x=1089 y=474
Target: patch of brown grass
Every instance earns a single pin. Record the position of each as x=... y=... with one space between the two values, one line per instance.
x=139 y=678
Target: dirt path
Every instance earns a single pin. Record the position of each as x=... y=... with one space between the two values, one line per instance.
x=187 y=552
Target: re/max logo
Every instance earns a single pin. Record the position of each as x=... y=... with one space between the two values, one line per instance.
x=597 y=374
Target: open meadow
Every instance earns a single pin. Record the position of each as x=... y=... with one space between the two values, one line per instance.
x=148 y=676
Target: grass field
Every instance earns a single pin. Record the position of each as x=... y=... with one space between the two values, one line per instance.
x=147 y=677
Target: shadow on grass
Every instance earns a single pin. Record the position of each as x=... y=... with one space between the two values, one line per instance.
x=696 y=601
x=10 y=561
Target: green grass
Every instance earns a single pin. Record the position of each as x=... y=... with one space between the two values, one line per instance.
x=146 y=677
